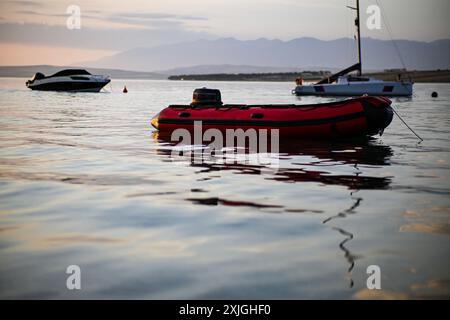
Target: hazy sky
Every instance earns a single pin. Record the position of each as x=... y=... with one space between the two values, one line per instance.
x=34 y=32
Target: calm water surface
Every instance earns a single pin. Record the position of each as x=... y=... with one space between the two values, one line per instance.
x=84 y=181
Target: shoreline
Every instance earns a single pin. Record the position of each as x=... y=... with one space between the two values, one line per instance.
x=436 y=76
x=426 y=76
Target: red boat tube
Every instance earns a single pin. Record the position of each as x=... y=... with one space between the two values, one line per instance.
x=357 y=117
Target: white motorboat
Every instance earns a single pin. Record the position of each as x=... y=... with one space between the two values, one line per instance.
x=68 y=80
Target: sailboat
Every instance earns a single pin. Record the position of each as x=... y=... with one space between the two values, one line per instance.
x=343 y=84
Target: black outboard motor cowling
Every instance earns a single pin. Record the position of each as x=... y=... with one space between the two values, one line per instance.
x=37 y=76
x=206 y=97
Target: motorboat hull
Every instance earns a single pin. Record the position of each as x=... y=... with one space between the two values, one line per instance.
x=72 y=80
x=68 y=85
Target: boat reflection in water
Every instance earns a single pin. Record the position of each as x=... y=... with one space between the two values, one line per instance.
x=320 y=156
x=305 y=162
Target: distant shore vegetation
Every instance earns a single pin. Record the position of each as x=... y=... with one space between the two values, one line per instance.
x=271 y=76
x=386 y=75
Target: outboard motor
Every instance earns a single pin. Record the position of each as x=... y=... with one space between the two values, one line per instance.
x=206 y=97
x=37 y=76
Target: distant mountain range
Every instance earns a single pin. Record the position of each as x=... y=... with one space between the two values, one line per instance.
x=29 y=71
x=229 y=55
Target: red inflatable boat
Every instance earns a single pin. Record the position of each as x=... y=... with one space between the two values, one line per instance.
x=364 y=116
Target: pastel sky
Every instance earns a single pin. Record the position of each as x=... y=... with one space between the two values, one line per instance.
x=35 y=31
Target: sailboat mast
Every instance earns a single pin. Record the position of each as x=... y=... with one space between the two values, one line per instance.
x=358 y=27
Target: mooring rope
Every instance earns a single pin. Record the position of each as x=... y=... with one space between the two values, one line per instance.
x=406 y=124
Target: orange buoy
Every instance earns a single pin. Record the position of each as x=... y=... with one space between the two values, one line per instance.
x=125 y=89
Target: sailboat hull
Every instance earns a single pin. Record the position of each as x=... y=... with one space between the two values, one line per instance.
x=378 y=88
